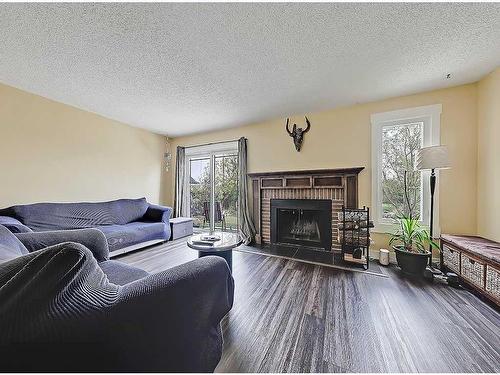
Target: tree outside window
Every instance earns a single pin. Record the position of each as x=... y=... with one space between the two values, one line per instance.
x=400 y=144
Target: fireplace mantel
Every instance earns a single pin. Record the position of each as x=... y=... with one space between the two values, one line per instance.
x=337 y=171
x=339 y=185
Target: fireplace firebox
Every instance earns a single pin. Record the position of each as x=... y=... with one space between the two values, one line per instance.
x=306 y=222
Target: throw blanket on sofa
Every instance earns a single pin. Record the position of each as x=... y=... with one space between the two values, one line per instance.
x=59 y=312
x=55 y=216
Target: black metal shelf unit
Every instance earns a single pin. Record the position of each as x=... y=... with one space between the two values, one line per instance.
x=354 y=230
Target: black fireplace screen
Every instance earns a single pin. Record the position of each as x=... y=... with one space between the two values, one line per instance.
x=304 y=222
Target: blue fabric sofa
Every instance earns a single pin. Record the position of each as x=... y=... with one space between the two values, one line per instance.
x=128 y=224
x=65 y=307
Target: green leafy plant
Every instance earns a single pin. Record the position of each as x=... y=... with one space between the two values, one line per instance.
x=411 y=236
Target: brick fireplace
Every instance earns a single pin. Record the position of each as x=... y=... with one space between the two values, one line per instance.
x=303 y=190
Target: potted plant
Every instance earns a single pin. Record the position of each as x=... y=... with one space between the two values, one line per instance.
x=410 y=242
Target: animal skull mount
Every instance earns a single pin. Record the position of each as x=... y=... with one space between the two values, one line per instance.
x=297 y=133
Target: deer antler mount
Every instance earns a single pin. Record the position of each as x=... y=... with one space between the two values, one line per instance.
x=297 y=133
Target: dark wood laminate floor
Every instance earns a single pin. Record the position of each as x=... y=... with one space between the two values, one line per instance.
x=296 y=317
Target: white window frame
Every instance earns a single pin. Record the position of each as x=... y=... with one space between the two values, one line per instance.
x=209 y=151
x=430 y=116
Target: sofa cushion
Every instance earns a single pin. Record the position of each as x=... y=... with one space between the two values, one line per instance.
x=14 y=225
x=92 y=238
x=10 y=246
x=120 y=236
x=121 y=273
x=54 y=216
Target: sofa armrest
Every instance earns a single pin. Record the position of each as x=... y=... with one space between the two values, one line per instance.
x=158 y=213
x=177 y=312
x=52 y=309
x=91 y=238
x=14 y=225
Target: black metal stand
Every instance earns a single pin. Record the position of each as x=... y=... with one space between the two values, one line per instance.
x=433 y=188
x=355 y=242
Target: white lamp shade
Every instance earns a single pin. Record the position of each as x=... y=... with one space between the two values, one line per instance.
x=434 y=157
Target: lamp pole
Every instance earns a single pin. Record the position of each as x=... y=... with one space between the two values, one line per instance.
x=433 y=187
x=432 y=158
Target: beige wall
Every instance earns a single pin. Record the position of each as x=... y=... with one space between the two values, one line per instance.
x=53 y=152
x=488 y=172
x=342 y=138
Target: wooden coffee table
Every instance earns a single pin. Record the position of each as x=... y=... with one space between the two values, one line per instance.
x=222 y=248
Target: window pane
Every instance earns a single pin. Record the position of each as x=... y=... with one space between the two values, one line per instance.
x=226 y=192
x=199 y=184
x=399 y=150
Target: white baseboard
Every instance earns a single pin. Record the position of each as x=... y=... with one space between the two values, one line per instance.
x=138 y=246
x=392 y=256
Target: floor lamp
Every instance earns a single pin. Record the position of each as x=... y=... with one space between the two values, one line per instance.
x=434 y=157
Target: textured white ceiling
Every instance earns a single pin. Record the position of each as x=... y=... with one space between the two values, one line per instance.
x=184 y=68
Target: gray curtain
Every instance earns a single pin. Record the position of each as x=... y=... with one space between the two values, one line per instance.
x=247 y=227
x=180 y=185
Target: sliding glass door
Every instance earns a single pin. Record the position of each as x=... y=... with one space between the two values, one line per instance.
x=212 y=173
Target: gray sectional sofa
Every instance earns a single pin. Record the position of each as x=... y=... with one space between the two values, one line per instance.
x=128 y=224
x=64 y=306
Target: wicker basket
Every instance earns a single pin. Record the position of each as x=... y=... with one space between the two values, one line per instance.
x=472 y=270
x=451 y=258
x=493 y=281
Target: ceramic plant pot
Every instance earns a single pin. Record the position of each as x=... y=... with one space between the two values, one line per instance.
x=411 y=263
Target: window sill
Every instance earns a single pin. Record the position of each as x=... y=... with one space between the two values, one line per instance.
x=387 y=228
x=384 y=228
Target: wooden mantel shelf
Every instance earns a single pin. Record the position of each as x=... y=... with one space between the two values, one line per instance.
x=310 y=172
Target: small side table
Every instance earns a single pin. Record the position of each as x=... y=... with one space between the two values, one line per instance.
x=222 y=248
x=180 y=227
